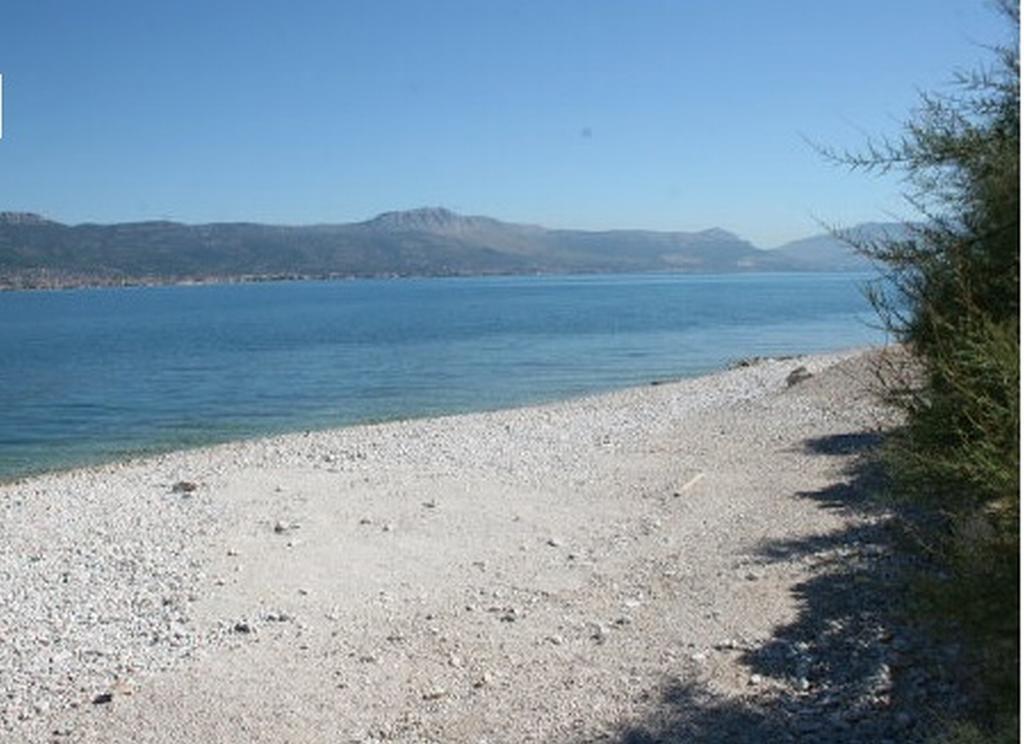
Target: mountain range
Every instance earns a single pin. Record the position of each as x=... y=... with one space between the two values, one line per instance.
x=431 y=241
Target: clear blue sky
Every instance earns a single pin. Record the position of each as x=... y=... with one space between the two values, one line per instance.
x=681 y=114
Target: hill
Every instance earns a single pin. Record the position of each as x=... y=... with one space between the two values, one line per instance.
x=826 y=252
x=37 y=252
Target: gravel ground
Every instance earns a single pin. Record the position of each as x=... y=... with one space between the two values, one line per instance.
x=688 y=561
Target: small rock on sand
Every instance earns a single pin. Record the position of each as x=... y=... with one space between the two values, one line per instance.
x=797 y=376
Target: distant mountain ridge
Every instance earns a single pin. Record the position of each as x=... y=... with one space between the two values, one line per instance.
x=429 y=241
x=22 y=218
x=432 y=219
x=828 y=252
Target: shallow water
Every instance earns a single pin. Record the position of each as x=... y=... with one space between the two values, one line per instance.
x=89 y=375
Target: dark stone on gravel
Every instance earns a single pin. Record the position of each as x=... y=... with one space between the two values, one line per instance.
x=103 y=698
x=184 y=487
x=797 y=376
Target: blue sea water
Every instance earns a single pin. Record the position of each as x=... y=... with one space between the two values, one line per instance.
x=91 y=375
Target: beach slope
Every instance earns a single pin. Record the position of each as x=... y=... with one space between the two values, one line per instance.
x=550 y=573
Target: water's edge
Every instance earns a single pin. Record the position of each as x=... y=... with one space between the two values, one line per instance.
x=142 y=455
x=101 y=375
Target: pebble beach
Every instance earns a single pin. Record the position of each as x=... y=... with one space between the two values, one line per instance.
x=629 y=565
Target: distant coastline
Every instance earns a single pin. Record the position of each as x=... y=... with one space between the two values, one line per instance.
x=38 y=253
x=66 y=283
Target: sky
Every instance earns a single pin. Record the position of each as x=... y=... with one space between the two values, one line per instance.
x=593 y=114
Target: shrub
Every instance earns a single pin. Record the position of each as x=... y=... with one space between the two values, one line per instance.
x=950 y=294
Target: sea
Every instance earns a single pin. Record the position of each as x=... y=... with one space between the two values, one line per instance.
x=92 y=375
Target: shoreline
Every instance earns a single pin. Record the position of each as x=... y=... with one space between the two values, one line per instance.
x=142 y=282
x=528 y=574
x=116 y=460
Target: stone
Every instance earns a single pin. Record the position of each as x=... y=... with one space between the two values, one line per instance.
x=184 y=487
x=103 y=698
x=797 y=376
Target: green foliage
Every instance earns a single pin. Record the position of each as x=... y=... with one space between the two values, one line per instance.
x=960 y=448
x=969 y=733
x=951 y=296
x=958 y=455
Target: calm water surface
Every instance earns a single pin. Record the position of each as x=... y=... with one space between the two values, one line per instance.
x=89 y=375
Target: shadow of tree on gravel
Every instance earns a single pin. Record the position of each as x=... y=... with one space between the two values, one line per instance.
x=850 y=667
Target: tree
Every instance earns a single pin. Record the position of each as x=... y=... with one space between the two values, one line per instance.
x=951 y=295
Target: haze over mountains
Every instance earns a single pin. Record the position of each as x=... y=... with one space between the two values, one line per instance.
x=37 y=252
